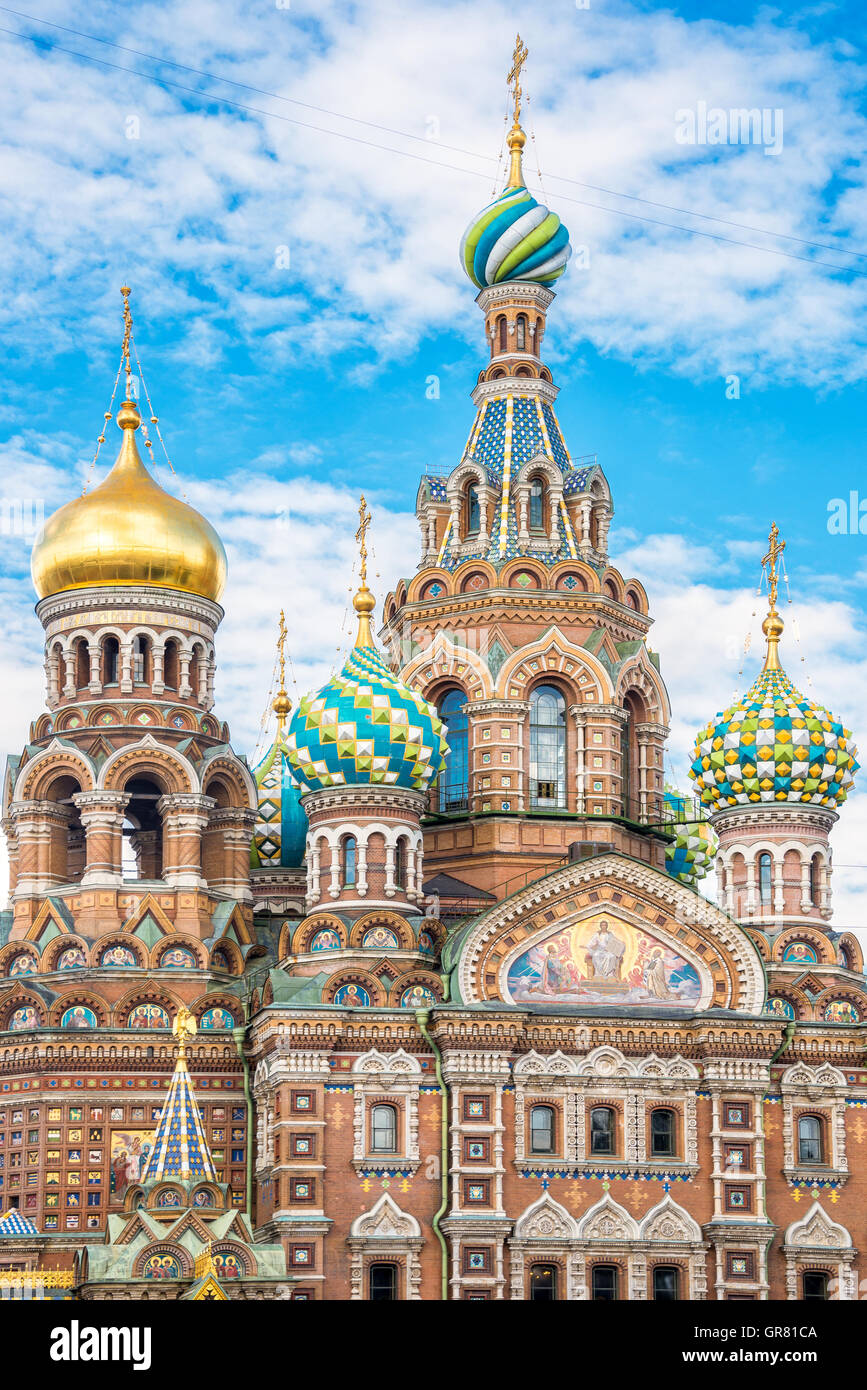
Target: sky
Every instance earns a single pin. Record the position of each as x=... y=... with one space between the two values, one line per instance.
x=285 y=185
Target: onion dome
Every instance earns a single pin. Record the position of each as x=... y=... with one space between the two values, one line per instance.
x=365 y=727
x=515 y=237
x=280 y=834
x=689 y=856
x=775 y=744
x=128 y=531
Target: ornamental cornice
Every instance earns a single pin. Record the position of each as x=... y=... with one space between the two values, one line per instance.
x=495 y=707
x=623 y=622
x=343 y=798
x=791 y=812
x=524 y=290
x=516 y=386
x=123 y=598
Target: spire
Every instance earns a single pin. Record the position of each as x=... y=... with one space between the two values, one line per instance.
x=180 y=1148
x=282 y=705
x=516 y=138
x=772 y=627
x=364 y=603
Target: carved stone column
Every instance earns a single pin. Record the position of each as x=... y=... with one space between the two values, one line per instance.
x=102 y=814
x=185 y=815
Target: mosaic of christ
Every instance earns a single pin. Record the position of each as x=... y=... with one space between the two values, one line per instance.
x=604 y=961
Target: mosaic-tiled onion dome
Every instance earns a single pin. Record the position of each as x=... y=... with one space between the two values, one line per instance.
x=690 y=854
x=281 y=821
x=774 y=745
x=365 y=727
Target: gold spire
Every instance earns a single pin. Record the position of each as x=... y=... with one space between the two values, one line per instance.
x=364 y=602
x=772 y=627
x=282 y=705
x=516 y=138
x=183 y=1027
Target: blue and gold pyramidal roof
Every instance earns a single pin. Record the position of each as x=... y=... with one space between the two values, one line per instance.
x=180 y=1149
x=365 y=727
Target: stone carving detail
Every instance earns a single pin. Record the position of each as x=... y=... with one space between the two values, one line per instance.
x=545 y=1219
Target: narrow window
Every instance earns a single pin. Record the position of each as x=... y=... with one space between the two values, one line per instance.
x=454 y=779
x=542 y=1129
x=665 y=1283
x=383 y=1129
x=815 y=889
x=662 y=1133
x=602 y=1130
x=604 y=1283
x=400 y=863
x=474 y=511
x=503 y=334
x=765 y=878
x=110 y=659
x=815 y=1284
x=170 y=666
x=521 y=333
x=543 y=1282
x=810 y=1139
x=537 y=508
x=140 y=660
x=350 y=861
x=382 y=1283
x=547 y=747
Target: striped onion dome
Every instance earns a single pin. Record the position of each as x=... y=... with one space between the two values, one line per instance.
x=774 y=745
x=515 y=238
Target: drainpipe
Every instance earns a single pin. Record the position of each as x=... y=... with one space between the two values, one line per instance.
x=239 y=1035
x=422 y=1017
x=788 y=1034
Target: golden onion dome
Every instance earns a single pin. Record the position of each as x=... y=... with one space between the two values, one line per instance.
x=128 y=531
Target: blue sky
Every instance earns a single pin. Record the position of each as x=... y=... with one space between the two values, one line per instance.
x=283 y=389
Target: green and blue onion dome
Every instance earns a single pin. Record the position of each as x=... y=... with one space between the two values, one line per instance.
x=775 y=745
x=365 y=727
x=280 y=834
x=515 y=237
x=689 y=856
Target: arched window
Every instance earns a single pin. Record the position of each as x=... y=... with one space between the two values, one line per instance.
x=537 y=505
x=814 y=1284
x=382 y=1283
x=170 y=666
x=454 y=779
x=765 y=877
x=666 y=1283
x=82 y=664
x=815 y=881
x=141 y=660
x=543 y=1282
x=602 y=1130
x=662 y=1134
x=350 y=861
x=542 y=1129
x=400 y=863
x=110 y=660
x=503 y=333
x=521 y=333
x=383 y=1129
x=547 y=747
x=603 y=1283
x=810 y=1146
x=474 y=511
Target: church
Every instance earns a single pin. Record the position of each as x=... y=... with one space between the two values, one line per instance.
x=428 y=1002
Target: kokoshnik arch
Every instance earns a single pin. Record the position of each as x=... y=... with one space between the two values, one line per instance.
x=450 y=1016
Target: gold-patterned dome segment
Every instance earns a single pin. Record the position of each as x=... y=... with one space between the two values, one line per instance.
x=129 y=531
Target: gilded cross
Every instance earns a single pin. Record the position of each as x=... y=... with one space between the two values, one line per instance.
x=364 y=519
x=519 y=58
x=281 y=648
x=770 y=564
x=183 y=1027
x=127 y=334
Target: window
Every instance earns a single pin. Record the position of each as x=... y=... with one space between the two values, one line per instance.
x=140 y=653
x=542 y=1129
x=665 y=1283
x=602 y=1130
x=815 y=881
x=170 y=666
x=537 y=505
x=814 y=1284
x=765 y=878
x=521 y=333
x=454 y=778
x=662 y=1133
x=604 y=1283
x=382 y=1283
x=110 y=660
x=400 y=863
x=350 y=861
x=810 y=1144
x=383 y=1129
x=474 y=511
x=503 y=333
x=543 y=1282
x=547 y=747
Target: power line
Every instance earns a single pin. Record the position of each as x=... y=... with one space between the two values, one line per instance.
x=408 y=154
x=408 y=135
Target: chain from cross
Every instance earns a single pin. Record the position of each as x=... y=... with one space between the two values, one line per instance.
x=770 y=564
x=519 y=58
x=365 y=516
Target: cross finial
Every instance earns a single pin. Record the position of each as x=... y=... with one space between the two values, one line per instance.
x=364 y=519
x=281 y=704
x=772 y=627
x=519 y=58
x=127 y=335
x=281 y=648
x=183 y=1027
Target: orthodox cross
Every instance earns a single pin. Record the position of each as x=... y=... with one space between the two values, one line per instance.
x=771 y=566
x=364 y=519
x=519 y=58
x=183 y=1027
x=127 y=334
x=281 y=649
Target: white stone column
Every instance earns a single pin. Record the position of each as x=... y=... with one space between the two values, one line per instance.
x=94 y=652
